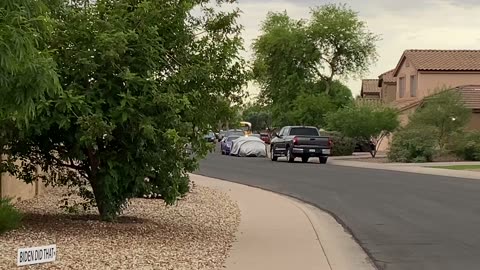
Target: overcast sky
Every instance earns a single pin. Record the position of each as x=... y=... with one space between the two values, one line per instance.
x=407 y=24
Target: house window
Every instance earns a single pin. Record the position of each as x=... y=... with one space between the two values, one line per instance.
x=413 y=86
x=401 y=86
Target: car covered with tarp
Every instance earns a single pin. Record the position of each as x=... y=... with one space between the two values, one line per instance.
x=248 y=146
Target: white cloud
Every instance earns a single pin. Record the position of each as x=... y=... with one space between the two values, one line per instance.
x=409 y=24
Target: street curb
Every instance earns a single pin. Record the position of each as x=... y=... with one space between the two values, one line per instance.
x=414 y=169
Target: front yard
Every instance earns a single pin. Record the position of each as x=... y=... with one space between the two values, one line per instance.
x=195 y=234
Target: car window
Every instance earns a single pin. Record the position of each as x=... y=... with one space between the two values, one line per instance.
x=281 y=132
x=304 y=131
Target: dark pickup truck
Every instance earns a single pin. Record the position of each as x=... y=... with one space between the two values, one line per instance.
x=300 y=141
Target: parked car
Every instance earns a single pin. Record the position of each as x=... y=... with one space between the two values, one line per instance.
x=265 y=137
x=300 y=141
x=248 y=146
x=256 y=135
x=210 y=137
x=226 y=144
x=364 y=146
x=235 y=132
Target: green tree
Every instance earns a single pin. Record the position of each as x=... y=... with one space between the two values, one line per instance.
x=364 y=122
x=140 y=80
x=311 y=109
x=293 y=58
x=280 y=66
x=27 y=71
x=446 y=112
x=343 y=44
x=259 y=116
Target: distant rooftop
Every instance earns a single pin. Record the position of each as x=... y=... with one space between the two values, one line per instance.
x=442 y=60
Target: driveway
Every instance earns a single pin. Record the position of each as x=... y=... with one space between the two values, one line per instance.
x=403 y=220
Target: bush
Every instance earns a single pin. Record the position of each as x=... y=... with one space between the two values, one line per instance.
x=364 y=122
x=467 y=147
x=9 y=216
x=342 y=145
x=413 y=145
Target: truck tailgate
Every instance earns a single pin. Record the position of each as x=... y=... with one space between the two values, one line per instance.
x=321 y=141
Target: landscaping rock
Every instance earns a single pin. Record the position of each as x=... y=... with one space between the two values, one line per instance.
x=197 y=233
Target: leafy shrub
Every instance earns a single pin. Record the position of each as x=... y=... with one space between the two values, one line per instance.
x=364 y=122
x=342 y=145
x=9 y=216
x=149 y=190
x=467 y=147
x=444 y=111
x=413 y=145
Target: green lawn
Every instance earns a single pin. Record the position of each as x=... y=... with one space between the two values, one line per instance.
x=459 y=167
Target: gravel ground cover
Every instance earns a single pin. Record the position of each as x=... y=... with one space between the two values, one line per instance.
x=197 y=233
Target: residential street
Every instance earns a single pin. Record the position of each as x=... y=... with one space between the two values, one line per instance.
x=404 y=221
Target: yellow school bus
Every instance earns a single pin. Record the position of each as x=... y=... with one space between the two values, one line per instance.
x=246 y=127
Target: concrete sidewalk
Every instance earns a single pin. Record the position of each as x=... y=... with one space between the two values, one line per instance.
x=281 y=233
x=421 y=168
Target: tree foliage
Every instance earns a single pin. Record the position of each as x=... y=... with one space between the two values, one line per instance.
x=139 y=80
x=343 y=44
x=27 y=71
x=310 y=110
x=298 y=58
x=413 y=145
x=445 y=112
x=259 y=116
x=364 y=122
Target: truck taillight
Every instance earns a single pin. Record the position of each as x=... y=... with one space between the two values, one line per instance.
x=295 y=140
x=330 y=142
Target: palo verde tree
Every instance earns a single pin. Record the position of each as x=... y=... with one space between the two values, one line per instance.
x=139 y=79
x=364 y=122
x=445 y=112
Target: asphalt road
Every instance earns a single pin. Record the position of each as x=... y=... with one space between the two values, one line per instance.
x=404 y=221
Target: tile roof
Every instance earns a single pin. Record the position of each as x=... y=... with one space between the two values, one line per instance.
x=370 y=86
x=442 y=60
x=388 y=76
x=403 y=104
x=470 y=95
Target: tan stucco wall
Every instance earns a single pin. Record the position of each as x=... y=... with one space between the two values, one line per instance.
x=11 y=187
x=406 y=70
x=389 y=92
x=429 y=83
x=474 y=123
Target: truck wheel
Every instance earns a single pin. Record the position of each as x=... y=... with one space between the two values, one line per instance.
x=323 y=160
x=290 y=157
x=272 y=157
x=305 y=159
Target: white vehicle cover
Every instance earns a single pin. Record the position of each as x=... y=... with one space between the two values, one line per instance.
x=248 y=147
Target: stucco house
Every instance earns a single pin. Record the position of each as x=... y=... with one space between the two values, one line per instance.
x=370 y=89
x=422 y=73
x=388 y=86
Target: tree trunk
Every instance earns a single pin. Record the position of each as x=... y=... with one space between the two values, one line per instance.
x=327 y=87
x=105 y=205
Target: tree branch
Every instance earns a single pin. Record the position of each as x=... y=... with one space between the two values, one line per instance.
x=59 y=162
